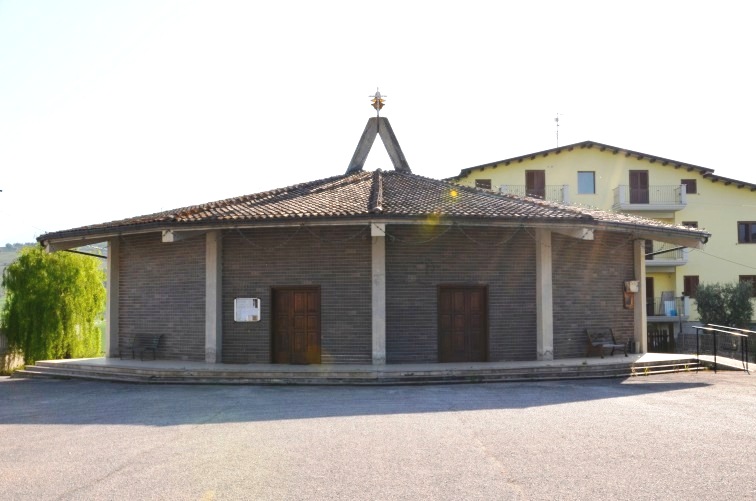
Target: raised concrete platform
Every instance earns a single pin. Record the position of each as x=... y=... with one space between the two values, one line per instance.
x=180 y=372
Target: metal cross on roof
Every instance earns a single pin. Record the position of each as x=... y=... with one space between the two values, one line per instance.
x=378 y=101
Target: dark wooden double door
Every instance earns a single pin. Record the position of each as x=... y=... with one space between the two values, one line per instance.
x=462 y=324
x=639 y=189
x=296 y=325
x=535 y=183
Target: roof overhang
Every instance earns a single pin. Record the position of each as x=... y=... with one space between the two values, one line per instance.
x=693 y=240
x=704 y=171
x=573 y=229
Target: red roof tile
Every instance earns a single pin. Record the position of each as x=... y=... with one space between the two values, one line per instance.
x=363 y=195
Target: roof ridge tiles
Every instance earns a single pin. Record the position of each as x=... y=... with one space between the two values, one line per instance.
x=375 y=206
x=351 y=178
x=294 y=190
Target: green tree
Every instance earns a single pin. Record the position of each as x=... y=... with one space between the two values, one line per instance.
x=53 y=304
x=725 y=304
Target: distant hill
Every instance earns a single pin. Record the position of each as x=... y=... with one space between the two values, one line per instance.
x=8 y=254
x=9 y=247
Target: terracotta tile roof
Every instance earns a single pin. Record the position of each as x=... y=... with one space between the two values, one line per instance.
x=705 y=172
x=362 y=195
x=586 y=145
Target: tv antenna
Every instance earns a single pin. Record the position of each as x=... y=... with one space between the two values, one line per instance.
x=556 y=120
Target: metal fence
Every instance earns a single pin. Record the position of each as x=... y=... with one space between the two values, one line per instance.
x=723 y=341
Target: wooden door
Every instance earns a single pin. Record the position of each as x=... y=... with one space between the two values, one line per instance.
x=296 y=325
x=638 y=186
x=535 y=183
x=462 y=323
x=650 y=297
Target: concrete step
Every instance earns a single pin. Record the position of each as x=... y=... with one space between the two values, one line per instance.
x=34 y=372
x=335 y=377
x=667 y=369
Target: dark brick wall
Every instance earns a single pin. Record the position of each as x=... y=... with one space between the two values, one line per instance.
x=162 y=290
x=419 y=259
x=337 y=259
x=589 y=281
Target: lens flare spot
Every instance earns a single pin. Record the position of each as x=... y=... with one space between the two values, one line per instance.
x=433 y=219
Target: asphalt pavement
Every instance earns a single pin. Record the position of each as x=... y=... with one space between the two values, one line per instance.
x=680 y=436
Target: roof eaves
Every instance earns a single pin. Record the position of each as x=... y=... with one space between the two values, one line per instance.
x=728 y=181
x=582 y=145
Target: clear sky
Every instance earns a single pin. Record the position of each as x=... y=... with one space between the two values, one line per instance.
x=112 y=109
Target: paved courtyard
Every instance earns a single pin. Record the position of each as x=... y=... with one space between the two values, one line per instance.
x=661 y=437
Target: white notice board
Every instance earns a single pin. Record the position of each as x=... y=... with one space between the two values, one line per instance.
x=246 y=309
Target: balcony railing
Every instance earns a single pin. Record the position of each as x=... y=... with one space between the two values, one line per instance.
x=552 y=192
x=656 y=198
x=664 y=254
x=663 y=309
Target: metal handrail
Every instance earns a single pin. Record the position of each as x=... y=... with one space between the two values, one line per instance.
x=714 y=329
x=740 y=333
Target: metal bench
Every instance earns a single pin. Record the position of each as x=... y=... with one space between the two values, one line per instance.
x=141 y=344
x=603 y=339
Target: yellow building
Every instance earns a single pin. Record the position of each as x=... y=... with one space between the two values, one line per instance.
x=611 y=178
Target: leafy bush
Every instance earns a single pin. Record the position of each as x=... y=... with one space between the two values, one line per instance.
x=725 y=304
x=53 y=304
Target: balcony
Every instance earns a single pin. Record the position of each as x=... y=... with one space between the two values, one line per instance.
x=663 y=254
x=667 y=310
x=665 y=315
x=552 y=192
x=655 y=198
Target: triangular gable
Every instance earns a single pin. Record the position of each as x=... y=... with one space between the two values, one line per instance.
x=375 y=126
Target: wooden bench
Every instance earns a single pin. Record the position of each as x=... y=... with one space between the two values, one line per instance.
x=141 y=344
x=603 y=339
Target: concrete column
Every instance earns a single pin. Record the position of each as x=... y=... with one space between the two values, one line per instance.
x=639 y=318
x=213 y=297
x=544 y=297
x=378 y=251
x=111 y=307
